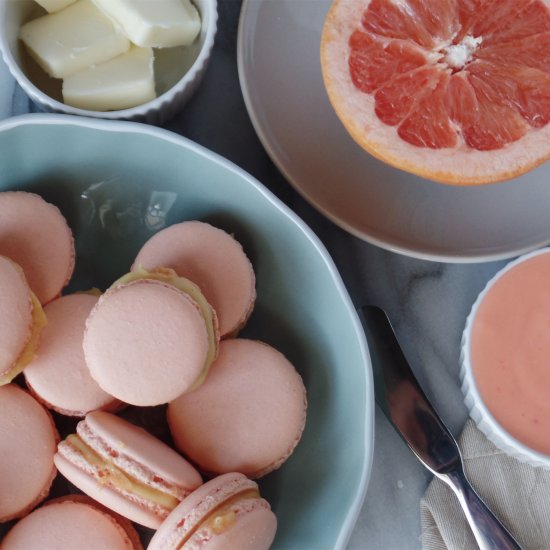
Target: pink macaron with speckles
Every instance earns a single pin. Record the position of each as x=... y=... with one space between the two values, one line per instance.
x=71 y=522
x=225 y=513
x=35 y=234
x=247 y=417
x=28 y=439
x=58 y=376
x=125 y=468
x=213 y=260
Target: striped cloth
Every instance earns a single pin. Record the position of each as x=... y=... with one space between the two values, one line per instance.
x=518 y=494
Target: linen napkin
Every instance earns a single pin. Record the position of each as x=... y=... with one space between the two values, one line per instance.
x=518 y=494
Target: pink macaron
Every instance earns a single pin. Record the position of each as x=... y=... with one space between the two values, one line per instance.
x=21 y=320
x=72 y=522
x=59 y=377
x=27 y=446
x=247 y=417
x=225 y=513
x=35 y=234
x=125 y=468
x=213 y=260
x=146 y=342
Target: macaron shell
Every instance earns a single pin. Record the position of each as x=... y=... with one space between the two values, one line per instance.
x=67 y=525
x=247 y=417
x=145 y=342
x=193 y=510
x=59 y=376
x=139 y=446
x=27 y=445
x=134 y=511
x=35 y=234
x=213 y=260
x=133 y=451
x=253 y=528
x=15 y=314
x=125 y=523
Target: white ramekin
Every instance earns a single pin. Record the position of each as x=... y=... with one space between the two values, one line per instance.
x=479 y=412
x=13 y=13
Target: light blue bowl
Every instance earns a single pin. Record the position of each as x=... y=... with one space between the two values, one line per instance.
x=118 y=182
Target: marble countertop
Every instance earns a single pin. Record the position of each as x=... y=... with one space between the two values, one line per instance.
x=428 y=302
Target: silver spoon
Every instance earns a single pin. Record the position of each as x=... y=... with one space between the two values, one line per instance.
x=408 y=409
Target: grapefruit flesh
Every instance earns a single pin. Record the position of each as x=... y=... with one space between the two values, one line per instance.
x=454 y=90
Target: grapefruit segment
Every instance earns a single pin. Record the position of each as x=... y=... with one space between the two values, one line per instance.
x=454 y=90
x=461 y=101
x=372 y=63
x=491 y=84
x=429 y=124
x=534 y=97
x=524 y=89
x=395 y=100
x=442 y=24
x=531 y=20
x=477 y=17
x=467 y=10
x=533 y=51
x=395 y=20
x=491 y=15
x=495 y=126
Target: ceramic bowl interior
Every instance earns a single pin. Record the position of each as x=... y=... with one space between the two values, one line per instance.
x=176 y=69
x=118 y=183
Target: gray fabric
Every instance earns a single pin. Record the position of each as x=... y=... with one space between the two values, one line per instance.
x=518 y=494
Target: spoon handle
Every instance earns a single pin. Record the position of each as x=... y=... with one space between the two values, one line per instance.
x=489 y=533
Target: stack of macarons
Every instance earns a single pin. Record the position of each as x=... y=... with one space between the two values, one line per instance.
x=166 y=333
x=36 y=262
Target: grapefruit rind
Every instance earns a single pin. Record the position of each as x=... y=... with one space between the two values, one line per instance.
x=460 y=165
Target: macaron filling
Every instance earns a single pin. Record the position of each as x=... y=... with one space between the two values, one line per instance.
x=214 y=260
x=107 y=473
x=127 y=464
x=169 y=276
x=27 y=354
x=224 y=516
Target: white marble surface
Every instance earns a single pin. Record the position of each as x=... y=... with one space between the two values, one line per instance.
x=428 y=302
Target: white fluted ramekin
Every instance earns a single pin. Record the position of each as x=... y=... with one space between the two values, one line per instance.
x=479 y=411
x=171 y=98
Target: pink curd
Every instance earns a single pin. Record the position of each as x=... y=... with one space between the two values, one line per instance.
x=510 y=351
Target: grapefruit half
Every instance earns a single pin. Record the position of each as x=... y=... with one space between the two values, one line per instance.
x=457 y=91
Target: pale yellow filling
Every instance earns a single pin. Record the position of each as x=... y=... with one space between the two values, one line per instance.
x=29 y=351
x=222 y=518
x=90 y=292
x=112 y=475
x=170 y=277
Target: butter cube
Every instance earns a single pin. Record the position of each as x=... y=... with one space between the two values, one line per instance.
x=54 y=5
x=72 y=39
x=154 y=23
x=121 y=83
